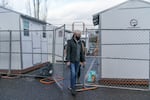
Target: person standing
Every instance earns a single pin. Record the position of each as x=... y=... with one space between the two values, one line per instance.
x=75 y=55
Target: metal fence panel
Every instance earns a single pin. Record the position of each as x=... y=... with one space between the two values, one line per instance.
x=122 y=56
x=29 y=55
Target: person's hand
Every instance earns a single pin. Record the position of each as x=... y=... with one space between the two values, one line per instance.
x=68 y=64
x=83 y=64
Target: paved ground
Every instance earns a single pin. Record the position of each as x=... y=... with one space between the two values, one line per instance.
x=28 y=89
x=32 y=89
x=110 y=94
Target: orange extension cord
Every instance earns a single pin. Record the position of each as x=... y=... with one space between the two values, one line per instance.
x=51 y=80
x=9 y=77
x=86 y=88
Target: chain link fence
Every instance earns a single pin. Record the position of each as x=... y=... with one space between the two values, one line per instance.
x=119 y=57
x=114 y=57
x=33 y=53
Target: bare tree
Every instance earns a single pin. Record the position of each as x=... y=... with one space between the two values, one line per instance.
x=4 y=3
x=44 y=11
x=28 y=8
x=34 y=5
x=38 y=10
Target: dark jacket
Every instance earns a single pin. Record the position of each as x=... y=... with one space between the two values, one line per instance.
x=72 y=51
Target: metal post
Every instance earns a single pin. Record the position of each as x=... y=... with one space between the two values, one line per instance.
x=86 y=41
x=10 y=46
x=100 y=49
x=63 y=52
x=63 y=45
x=149 y=63
x=21 y=54
x=32 y=46
x=41 y=45
x=53 y=50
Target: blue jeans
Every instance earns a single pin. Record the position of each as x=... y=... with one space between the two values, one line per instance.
x=74 y=68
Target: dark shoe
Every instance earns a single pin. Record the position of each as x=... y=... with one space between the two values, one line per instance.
x=73 y=92
x=78 y=81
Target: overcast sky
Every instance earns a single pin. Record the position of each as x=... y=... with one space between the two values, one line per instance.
x=69 y=11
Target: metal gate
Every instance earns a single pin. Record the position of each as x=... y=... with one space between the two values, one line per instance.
x=33 y=54
x=119 y=57
x=58 y=54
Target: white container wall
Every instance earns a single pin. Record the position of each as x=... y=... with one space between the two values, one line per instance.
x=35 y=46
x=120 y=17
x=125 y=69
x=120 y=42
x=31 y=42
x=5 y=40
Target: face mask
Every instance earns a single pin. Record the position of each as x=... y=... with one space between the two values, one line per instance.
x=78 y=38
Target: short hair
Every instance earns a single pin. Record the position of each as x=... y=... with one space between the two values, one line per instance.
x=77 y=31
